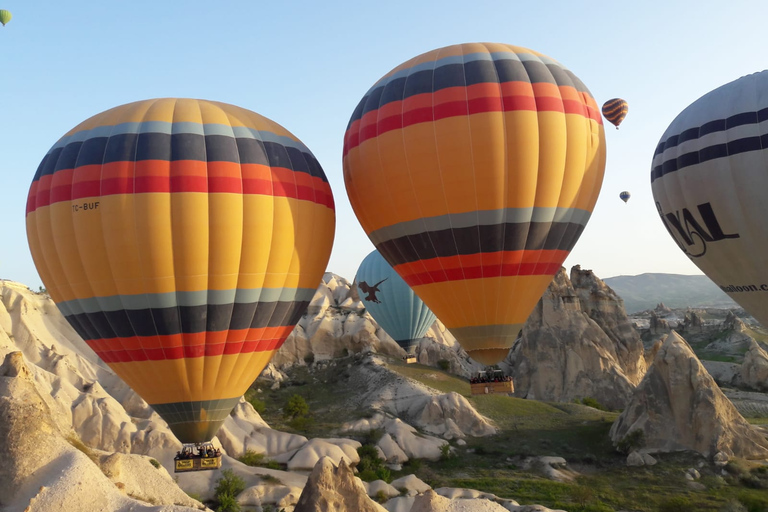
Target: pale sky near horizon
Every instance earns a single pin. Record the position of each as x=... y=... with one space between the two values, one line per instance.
x=307 y=64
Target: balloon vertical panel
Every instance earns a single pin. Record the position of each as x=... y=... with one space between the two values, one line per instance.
x=182 y=239
x=708 y=177
x=473 y=169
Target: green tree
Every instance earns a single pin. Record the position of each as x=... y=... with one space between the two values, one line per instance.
x=296 y=407
x=227 y=489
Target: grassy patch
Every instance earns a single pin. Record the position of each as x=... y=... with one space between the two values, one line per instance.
x=432 y=377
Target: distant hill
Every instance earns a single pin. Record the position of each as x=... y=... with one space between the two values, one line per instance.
x=674 y=290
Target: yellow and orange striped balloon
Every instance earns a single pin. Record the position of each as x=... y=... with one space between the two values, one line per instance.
x=182 y=239
x=474 y=169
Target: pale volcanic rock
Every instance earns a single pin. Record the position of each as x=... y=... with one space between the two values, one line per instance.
x=678 y=406
x=332 y=487
x=691 y=323
x=400 y=504
x=725 y=374
x=430 y=501
x=564 y=354
x=438 y=344
x=733 y=323
x=42 y=469
x=754 y=369
x=391 y=451
x=411 y=483
x=606 y=308
x=413 y=444
x=334 y=450
x=327 y=330
x=658 y=325
x=140 y=479
x=365 y=424
x=380 y=486
x=245 y=430
x=451 y=416
x=453 y=493
x=270 y=492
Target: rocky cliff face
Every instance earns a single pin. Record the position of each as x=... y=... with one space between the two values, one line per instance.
x=332 y=487
x=606 y=309
x=336 y=324
x=678 y=406
x=754 y=369
x=577 y=342
x=74 y=437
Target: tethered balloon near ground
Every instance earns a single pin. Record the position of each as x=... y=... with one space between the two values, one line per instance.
x=182 y=239
x=474 y=169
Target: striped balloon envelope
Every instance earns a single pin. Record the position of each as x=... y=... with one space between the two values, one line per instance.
x=474 y=169
x=182 y=239
x=709 y=176
x=392 y=303
x=615 y=111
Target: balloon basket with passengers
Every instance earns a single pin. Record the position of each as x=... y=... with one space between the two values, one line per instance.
x=491 y=382
x=197 y=457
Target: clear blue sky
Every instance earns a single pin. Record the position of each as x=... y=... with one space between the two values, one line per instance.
x=307 y=64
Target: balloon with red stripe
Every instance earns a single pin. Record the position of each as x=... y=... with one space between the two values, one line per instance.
x=182 y=239
x=474 y=169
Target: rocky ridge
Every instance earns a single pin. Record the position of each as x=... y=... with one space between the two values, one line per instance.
x=678 y=406
x=578 y=342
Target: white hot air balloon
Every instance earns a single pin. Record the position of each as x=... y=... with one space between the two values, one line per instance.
x=709 y=179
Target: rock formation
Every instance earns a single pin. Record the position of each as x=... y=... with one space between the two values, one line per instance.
x=565 y=353
x=46 y=467
x=691 y=323
x=678 y=406
x=336 y=324
x=606 y=308
x=93 y=435
x=335 y=488
x=754 y=369
x=447 y=415
x=733 y=323
x=658 y=325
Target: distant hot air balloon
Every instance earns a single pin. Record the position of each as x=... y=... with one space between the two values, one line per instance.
x=709 y=177
x=625 y=196
x=5 y=16
x=392 y=303
x=182 y=239
x=615 y=111
x=474 y=169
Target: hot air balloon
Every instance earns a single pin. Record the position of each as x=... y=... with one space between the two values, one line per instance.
x=615 y=111
x=392 y=303
x=474 y=169
x=182 y=239
x=5 y=16
x=709 y=176
x=625 y=196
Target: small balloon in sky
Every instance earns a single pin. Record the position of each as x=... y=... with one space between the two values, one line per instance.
x=5 y=16
x=625 y=196
x=615 y=111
